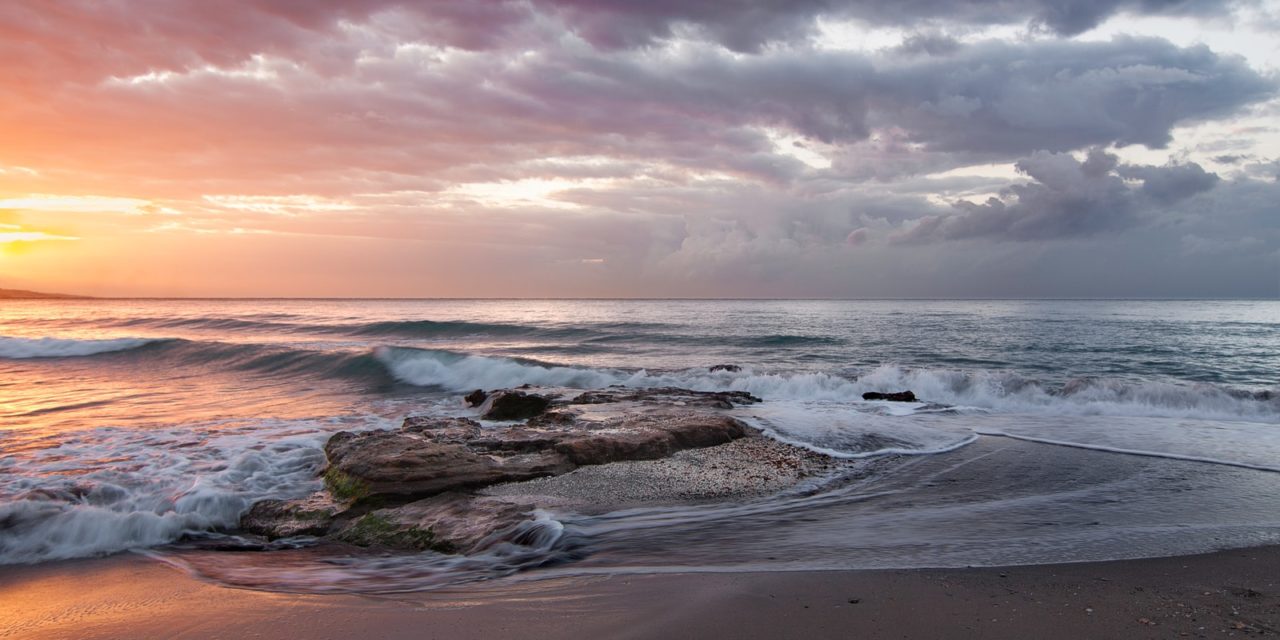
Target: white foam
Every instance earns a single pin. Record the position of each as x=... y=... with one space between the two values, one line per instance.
x=873 y=453
x=999 y=391
x=1007 y=392
x=462 y=373
x=112 y=489
x=63 y=347
x=841 y=431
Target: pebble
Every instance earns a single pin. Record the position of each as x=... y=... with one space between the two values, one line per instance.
x=749 y=467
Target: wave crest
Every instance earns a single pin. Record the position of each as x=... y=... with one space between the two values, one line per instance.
x=135 y=490
x=22 y=348
x=458 y=372
x=984 y=389
x=1001 y=391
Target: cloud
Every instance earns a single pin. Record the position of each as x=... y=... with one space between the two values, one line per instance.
x=1264 y=169
x=750 y=25
x=159 y=35
x=1231 y=158
x=1007 y=97
x=1067 y=198
x=354 y=110
x=682 y=144
x=78 y=204
x=1172 y=182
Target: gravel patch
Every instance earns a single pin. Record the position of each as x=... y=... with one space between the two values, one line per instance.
x=747 y=468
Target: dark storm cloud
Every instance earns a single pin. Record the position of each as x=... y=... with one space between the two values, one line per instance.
x=142 y=35
x=1231 y=158
x=1060 y=95
x=933 y=44
x=1171 y=183
x=1067 y=199
x=749 y=25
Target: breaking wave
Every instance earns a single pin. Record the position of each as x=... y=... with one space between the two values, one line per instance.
x=21 y=348
x=424 y=329
x=454 y=330
x=986 y=390
x=114 y=489
x=981 y=389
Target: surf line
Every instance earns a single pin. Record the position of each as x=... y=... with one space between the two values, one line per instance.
x=1131 y=452
x=845 y=455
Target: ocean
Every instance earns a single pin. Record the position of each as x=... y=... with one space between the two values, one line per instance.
x=1047 y=430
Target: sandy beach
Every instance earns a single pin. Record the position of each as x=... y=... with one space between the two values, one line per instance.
x=1226 y=594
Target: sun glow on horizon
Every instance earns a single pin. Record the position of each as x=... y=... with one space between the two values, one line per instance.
x=76 y=204
x=30 y=236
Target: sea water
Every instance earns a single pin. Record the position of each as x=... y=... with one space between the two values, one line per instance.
x=1047 y=430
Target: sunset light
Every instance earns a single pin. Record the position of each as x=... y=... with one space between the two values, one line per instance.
x=74 y=204
x=684 y=148
x=647 y=319
x=29 y=236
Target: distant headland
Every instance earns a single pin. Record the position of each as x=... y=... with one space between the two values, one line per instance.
x=20 y=294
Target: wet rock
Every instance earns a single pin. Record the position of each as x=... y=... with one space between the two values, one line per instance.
x=731 y=368
x=670 y=396
x=553 y=419
x=899 y=396
x=415 y=488
x=1264 y=395
x=516 y=440
x=413 y=464
x=429 y=456
x=515 y=405
x=443 y=430
x=401 y=464
x=375 y=530
x=475 y=398
x=447 y=523
x=274 y=519
x=651 y=437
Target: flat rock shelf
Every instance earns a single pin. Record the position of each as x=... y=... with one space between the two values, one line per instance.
x=454 y=485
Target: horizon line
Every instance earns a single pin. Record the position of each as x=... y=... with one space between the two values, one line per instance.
x=74 y=297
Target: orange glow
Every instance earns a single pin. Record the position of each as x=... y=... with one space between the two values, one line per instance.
x=74 y=204
x=30 y=236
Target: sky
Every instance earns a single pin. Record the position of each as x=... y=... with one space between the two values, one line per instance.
x=611 y=148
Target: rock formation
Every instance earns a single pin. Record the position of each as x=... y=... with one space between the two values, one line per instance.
x=514 y=405
x=900 y=396
x=475 y=398
x=414 y=488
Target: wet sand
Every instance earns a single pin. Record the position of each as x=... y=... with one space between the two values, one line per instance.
x=1226 y=594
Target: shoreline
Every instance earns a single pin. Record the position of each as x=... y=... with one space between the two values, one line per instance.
x=1232 y=593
